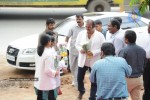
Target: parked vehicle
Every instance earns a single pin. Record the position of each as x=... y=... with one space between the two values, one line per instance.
x=20 y=53
x=90 y=5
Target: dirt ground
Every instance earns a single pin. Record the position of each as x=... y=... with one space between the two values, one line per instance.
x=23 y=90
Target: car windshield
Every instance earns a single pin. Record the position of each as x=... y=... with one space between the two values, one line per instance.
x=130 y=23
x=64 y=26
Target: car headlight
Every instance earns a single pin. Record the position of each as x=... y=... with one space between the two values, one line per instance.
x=29 y=51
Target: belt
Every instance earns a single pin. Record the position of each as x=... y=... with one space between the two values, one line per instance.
x=116 y=98
x=134 y=76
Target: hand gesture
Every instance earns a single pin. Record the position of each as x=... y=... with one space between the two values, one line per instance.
x=65 y=70
x=57 y=73
x=82 y=51
x=89 y=54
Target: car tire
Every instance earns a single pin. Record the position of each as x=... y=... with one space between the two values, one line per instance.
x=98 y=6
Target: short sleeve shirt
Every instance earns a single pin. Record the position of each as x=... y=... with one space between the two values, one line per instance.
x=73 y=33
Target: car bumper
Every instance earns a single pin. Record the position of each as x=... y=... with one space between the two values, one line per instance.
x=18 y=60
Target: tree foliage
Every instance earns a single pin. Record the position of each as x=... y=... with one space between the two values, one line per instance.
x=143 y=5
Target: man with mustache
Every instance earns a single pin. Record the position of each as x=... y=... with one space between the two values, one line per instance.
x=88 y=55
x=73 y=53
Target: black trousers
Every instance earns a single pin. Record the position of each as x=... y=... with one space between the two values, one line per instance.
x=50 y=95
x=80 y=78
x=93 y=91
x=146 y=79
x=68 y=67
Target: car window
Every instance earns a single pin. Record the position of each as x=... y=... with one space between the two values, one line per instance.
x=128 y=23
x=64 y=26
x=141 y=23
x=105 y=22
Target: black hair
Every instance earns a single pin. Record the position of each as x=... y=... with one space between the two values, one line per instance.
x=115 y=22
x=119 y=19
x=79 y=15
x=131 y=36
x=50 y=21
x=44 y=39
x=98 y=22
x=93 y=24
x=108 y=49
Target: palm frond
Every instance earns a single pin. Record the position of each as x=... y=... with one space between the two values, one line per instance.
x=143 y=7
x=132 y=2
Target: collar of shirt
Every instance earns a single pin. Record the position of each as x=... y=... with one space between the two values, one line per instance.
x=113 y=35
x=83 y=26
x=131 y=43
x=90 y=37
x=108 y=56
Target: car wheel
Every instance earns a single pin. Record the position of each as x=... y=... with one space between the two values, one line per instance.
x=98 y=6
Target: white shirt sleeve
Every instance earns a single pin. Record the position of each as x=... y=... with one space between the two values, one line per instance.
x=101 y=39
x=49 y=68
x=62 y=64
x=118 y=44
x=78 y=41
x=69 y=33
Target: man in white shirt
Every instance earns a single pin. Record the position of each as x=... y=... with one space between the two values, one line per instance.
x=116 y=35
x=108 y=35
x=73 y=53
x=92 y=41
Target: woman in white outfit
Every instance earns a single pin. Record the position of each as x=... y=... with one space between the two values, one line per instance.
x=46 y=72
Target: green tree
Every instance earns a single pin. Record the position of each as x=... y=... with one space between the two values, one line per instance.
x=143 y=5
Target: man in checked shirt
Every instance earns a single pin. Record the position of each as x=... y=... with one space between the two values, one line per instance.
x=109 y=73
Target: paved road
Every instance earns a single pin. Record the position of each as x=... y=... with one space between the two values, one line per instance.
x=9 y=12
x=30 y=12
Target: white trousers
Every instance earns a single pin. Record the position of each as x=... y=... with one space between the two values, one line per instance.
x=73 y=61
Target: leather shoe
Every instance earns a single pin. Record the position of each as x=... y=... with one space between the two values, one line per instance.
x=80 y=96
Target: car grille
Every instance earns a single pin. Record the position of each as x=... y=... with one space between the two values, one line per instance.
x=13 y=52
x=27 y=64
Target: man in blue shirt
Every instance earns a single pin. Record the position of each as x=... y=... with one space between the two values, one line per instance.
x=109 y=73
